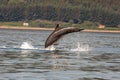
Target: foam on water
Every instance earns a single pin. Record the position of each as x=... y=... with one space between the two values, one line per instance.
x=51 y=48
x=27 y=45
x=81 y=47
x=3 y=47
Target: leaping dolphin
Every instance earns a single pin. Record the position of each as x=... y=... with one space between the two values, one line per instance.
x=58 y=33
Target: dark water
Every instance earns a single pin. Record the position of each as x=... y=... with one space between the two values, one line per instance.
x=77 y=56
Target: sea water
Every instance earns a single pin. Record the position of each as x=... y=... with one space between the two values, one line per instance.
x=77 y=56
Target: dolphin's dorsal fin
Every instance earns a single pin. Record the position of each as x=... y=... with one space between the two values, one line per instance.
x=57 y=27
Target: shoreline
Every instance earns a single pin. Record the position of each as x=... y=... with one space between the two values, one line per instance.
x=102 y=31
x=24 y=28
x=36 y=28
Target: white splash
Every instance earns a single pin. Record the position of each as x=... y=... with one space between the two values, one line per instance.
x=27 y=45
x=3 y=47
x=51 y=48
x=81 y=47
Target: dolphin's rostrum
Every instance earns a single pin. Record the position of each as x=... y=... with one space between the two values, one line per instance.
x=58 y=33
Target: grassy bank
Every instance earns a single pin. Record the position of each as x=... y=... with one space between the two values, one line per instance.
x=36 y=23
x=52 y=24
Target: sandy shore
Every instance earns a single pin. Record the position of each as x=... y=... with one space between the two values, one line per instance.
x=30 y=28
x=103 y=31
x=24 y=28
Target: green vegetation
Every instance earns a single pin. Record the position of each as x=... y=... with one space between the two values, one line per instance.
x=51 y=24
x=11 y=23
x=85 y=13
x=36 y=23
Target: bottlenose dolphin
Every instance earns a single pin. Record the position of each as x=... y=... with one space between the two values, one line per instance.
x=58 y=33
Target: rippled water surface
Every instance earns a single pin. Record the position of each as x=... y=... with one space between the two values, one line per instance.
x=77 y=56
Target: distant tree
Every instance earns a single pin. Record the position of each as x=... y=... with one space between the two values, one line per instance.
x=106 y=12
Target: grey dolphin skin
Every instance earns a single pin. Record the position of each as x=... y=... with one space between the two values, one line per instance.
x=58 y=33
